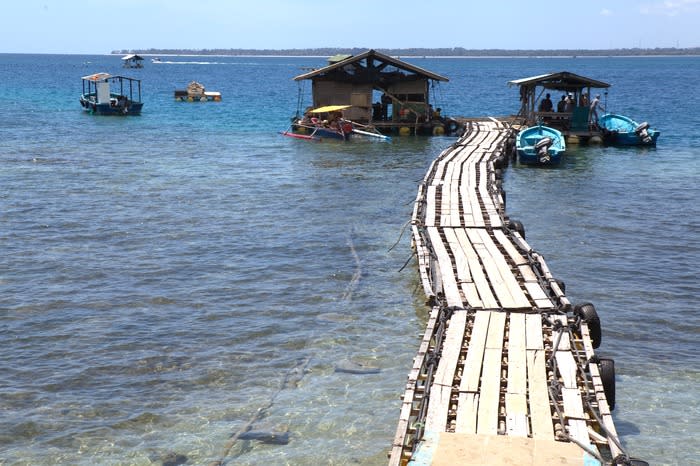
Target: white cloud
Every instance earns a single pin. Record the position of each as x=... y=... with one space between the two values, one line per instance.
x=670 y=7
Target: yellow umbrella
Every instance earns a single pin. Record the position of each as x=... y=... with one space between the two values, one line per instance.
x=329 y=108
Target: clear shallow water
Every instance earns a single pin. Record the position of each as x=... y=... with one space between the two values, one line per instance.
x=166 y=277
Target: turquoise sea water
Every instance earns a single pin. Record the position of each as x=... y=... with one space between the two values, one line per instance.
x=168 y=279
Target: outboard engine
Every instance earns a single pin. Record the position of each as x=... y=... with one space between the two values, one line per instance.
x=642 y=131
x=542 y=149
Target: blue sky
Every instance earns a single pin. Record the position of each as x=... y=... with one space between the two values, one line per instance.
x=92 y=26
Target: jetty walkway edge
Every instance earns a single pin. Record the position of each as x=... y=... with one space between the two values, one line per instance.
x=506 y=371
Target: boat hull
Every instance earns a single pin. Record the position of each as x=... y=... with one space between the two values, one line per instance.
x=110 y=108
x=317 y=133
x=527 y=146
x=619 y=130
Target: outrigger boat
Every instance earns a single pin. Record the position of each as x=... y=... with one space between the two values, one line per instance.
x=97 y=97
x=327 y=122
x=624 y=131
x=540 y=145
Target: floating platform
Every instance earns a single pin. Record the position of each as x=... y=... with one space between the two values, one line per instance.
x=183 y=96
x=506 y=372
x=195 y=92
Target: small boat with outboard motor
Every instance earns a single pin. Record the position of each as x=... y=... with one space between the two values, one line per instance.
x=619 y=130
x=540 y=145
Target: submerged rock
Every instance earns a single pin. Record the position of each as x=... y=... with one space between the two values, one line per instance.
x=271 y=437
x=352 y=367
x=173 y=459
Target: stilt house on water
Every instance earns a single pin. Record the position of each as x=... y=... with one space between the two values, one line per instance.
x=133 y=61
x=571 y=101
x=384 y=92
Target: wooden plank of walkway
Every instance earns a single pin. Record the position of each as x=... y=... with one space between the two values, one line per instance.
x=486 y=298
x=516 y=388
x=487 y=417
x=441 y=391
x=449 y=284
x=470 y=199
x=501 y=277
x=567 y=368
x=464 y=275
x=502 y=450
x=540 y=411
x=409 y=398
x=468 y=400
x=431 y=203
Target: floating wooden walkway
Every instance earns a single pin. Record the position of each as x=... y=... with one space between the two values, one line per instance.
x=506 y=372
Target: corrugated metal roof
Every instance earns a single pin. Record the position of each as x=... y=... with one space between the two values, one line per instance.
x=97 y=77
x=378 y=56
x=562 y=81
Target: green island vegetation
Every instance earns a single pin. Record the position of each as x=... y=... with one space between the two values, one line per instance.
x=424 y=52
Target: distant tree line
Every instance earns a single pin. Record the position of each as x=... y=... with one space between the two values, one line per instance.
x=420 y=52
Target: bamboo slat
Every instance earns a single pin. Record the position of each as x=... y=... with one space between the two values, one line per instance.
x=489 y=399
x=516 y=388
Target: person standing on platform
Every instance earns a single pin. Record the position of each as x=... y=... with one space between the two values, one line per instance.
x=561 y=105
x=546 y=104
x=593 y=113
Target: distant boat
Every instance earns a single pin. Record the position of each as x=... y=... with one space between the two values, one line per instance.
x=540 y=145
x=97 y=97
x=156 y=60
x=623 y=131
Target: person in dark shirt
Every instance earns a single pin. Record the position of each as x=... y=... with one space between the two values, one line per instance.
x=561 y=105
x=546 y=104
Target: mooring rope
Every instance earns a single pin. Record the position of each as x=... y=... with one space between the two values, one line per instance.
x=298 y=368
x=356 y=276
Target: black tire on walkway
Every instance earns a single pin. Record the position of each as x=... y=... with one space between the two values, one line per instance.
x=561 y=284
x=517 y=225
x=607 y=376
x=589 y=315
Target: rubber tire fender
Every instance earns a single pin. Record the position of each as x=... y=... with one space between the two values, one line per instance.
x=589 y=315
x=452 y=126
x=562 y=285
x=606 y=367
x=516 y=225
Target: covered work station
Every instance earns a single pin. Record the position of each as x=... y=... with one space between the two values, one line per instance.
x=560 y=100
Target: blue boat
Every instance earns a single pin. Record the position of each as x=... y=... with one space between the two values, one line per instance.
x=619 y=130
x=99 y=99
x=540 y=145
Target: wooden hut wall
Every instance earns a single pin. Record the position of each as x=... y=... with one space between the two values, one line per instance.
x=331 y=93
x=338 y=93
x=361 y=101
x=413 y=93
